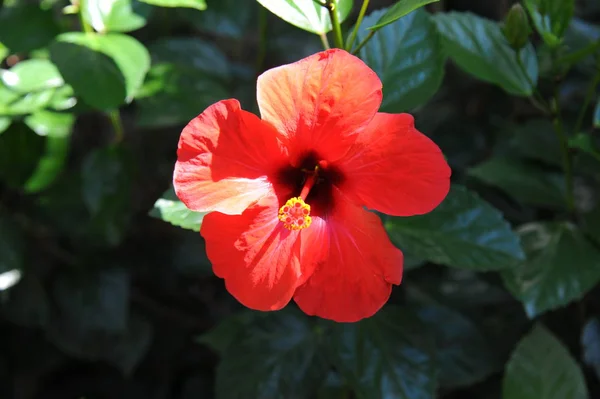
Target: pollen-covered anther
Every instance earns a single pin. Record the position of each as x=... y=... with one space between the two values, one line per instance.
x=295 y=214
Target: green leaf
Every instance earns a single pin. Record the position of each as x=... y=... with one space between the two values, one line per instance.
x=20 y=150
x=307 y=14
x=3 y=52
x=28 y=303
x=197 y=4
x=27 y=27
x=57 y=128
x=277 y=356
x=535 y=140
x=561 y=266
x=115 y=15
x=526 y=183
x=591 y=223
x=11 y=248
x=106 y=186
x=228 y=331
x=397 y=11
x=14 y=103
x=4 y=123
x=389 y=355
x=170 y=209
x=463 y=231
x=479 y=47
x=597 y=113
x=224 y=18
x=463 y=355
x=32 y=75
x=542 y=368
x=105 y=70
x=551 y=18
x=584 y=142
x=590 y=344
x=407 y=56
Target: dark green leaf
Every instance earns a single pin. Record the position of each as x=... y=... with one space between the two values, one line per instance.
x=397 y=11
x=585 y=143
x=526 y=183
x=4 y=123
x=535 y=140
x=32 y=75
x=57 y=128
x=464 y=231
x=551 y=18
x=3 y=52
x=479 y=47
x=590 y=343
x=28 y=303
x=11 y=248
x=20 y=150
x=463 y=355
x=591 y=223
x=105 y=70
x=228 y=331
x=277 y=356
x=597 y=113
x=389 y=355
x=115 y=15
x=561 y=266
x=227 y=18
x=197 y=4
x=542 y=368
x=25 y=28
x=307 y=14
x=408 y=57
x=170 y=209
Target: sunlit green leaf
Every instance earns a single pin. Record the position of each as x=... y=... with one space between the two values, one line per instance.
x=561 y=267
x=397 y=11
x=542 y=367
x=408 y=57
x=115 y=15
x=307 y=14
x=464 y=232
x=479 y=47
x=170 y=209
x=197 y=4
x=4 y=123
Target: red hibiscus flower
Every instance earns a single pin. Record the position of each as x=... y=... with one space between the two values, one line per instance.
x=287 y=193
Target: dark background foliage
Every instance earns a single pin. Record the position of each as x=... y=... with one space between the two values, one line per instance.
x=101 y=298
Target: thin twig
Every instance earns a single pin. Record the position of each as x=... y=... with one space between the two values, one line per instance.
x=361 y=15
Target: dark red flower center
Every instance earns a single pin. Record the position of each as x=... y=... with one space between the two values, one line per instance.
x=312 y=181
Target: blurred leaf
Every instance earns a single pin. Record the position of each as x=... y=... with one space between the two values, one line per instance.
x=32 y=75
x=227 y=18
x=62 y=99
x=197 y=4
x=590 y=344
x=479 y=47
x=26 y=27
x=92 y=319
x=526 y=183
x=389 y=355
x=535 y=140
x=14 y=103
x=561 y=266
x=20 y=150
x=228 y=331
x=28 y=303
x=463 y=231
x=541 y=367
x=105 y=70
x=57 y=128
x=174 y=95
x=463 y=355
x=551 y=18
x=591 y=223
x=597 y=113
x=115 y=15
x=277 y=356
x=407 y=56
x=11 y=247
x=307 y=14
x=106 y=185
x=4 y=123
x=3 y=52
x=584 y=142
x=170 y=209
x=397 y=11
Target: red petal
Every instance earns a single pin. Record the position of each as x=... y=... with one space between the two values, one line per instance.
x=224 y=158
x=396 y=169
x=356 y=278
x=255 y=254
x=320 y=102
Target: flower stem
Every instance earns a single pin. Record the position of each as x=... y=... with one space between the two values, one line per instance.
x=87 y=28
x=325 y=41
x=262 y=39
x=335 y=23
x=115 y=120
x=588 y=98
x=564 y=148
x=361 y=15
x=364 y=41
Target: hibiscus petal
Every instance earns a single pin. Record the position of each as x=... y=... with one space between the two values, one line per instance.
x=322 y=101
x=255 y=254
x=356 y=278
x=224 y=158
x=395 y=169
